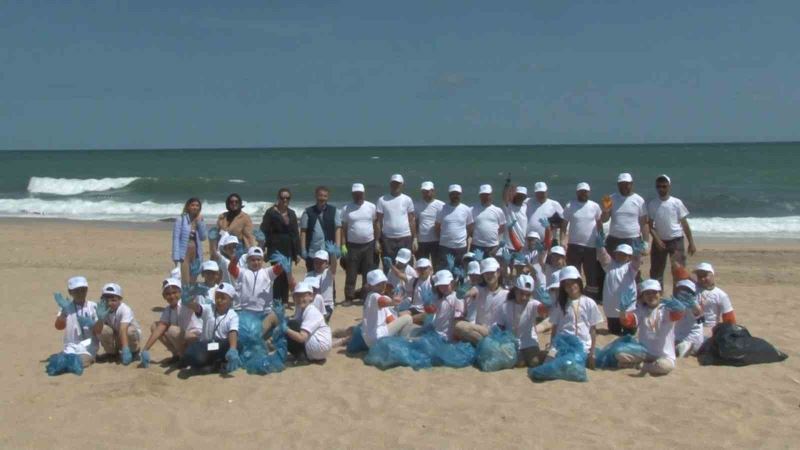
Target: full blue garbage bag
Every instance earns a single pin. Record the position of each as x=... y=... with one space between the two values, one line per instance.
x=427 y=350
x=569 y=363
x=443 y=353
x=252 y=348
x=606 y=357
x=59 y=363
x=356 y=344
x=497 y=351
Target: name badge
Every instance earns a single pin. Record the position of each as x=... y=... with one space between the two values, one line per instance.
x=213 y=346
x=86 y=342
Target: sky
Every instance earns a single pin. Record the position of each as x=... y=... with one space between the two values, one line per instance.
x=185 y=74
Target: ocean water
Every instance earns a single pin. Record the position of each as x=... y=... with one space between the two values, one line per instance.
x=730 y=189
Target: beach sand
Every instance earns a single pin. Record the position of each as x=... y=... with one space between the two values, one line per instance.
x=346 y=404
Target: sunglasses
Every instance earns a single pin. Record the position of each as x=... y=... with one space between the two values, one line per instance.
x=285 y=198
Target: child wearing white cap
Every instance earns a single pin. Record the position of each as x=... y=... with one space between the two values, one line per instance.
x=555 y=260
x=422 y=284
x=518 y=314
x=220 y=335
x=401 y=276
x=481 y=303
x=447 y=309
x=120 y=333
x=76 y=318
x=228 y=244
x=620 y=280
x=254 y=284
x=211 y=278
x=177 y=327
x=575 y=313
x=308 y=333
x=325 y=271
x=716 y=304
x=378 y=320
x=688 y=330
x=535 y=255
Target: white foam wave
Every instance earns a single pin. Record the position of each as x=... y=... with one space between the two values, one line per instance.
x=74 y=186
x=771 y=226
x=236 y=180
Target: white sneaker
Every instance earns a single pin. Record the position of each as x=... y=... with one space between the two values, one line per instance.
x=683 y=349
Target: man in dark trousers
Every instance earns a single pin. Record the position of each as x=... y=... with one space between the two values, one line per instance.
x=319 y=223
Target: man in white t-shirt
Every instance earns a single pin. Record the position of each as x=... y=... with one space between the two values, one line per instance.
x=516 y=210
x=582 y=223
x=490 y=223
x=426 y=211
x=628 y=214
x=359 y=231
x=668 y=226
x=540 y=207
x=395 y=214
x=454 y=228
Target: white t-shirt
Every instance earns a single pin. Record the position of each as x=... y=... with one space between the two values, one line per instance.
x=325 y=285
x=373 y=323
x=516 y=222
x=254 y=289
x=488 y=220
x=426 y=219
x=123 y=314
x=620 y=279
x=448 y=309
x=216 y=327
x=582 y=218
x=406 y=287
x=689 y=329
x=483 y=309
x=656 y=331
x=454 y=221
x=319 y=340
x=715 y=303
x=359 y=221
x=625 y=214
x=538 y=211
x=567 y=322
x=77 y=339
x=417 y=303
x=395 y=212
x=181 y=316
x=208 y=297
x=520 y=320
x=666 y=216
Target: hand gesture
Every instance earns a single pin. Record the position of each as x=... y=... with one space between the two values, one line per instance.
x=607 y=203
x=62 y=302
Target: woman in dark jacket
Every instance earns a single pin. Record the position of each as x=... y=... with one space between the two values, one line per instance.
x=283 y=235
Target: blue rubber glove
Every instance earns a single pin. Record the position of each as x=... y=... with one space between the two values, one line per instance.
x=628 y=299
x=538 y=245
x=62 y=302
x=638 y=246
x=427 y=295
x=145 y=355
x=506 y=255
x=333 y=249
x=387 y=262
x=600 y=240
x=213 y=233
x=451 y=262
x=544 y=223
x=673 y=304
x=86 y=321
x=479 y=255
x=259 y=235
x=233 y=360
x=543 y=296
x=186 y=294
x=281 y=260
x=102 y=311
x=519 y=257
x=127 y=357
x=196 y=267
x=689 y=300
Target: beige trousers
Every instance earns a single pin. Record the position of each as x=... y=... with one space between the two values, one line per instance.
x=175 y=339
x=470 y=332
x=660 y=366
x=111 y=343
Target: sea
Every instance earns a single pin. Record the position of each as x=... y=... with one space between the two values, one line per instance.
x=747 y=189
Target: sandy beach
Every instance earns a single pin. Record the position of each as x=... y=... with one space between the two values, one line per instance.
x=345 y=404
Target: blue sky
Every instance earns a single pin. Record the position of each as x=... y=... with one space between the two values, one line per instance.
x=250 y=74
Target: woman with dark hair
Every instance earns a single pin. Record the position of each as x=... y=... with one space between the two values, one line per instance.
x=280 y=228
x=188 y=232
x=236 y=222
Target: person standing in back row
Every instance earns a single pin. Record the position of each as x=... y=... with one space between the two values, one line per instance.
x=359 y=232
x=668 y=225
x=279 y=225
x=395 y=214
x=319 y=223
x=541 y=207
x=454 y=228
x=426 y=212
x=490 y=223
x=582 y=222
x=628 y=215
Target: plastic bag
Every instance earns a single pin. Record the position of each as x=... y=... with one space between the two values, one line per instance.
x=732 y=345
x=394 y=351
x=443 y=353
x=356 y=344
x=59 y=363
x=569 y=363
x=606 y=357
x=497 y=351
x=253 y=350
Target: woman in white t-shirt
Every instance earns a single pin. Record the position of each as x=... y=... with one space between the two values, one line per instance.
x=308 y=335
x=575 y=313
x=177 y=327
x=481 y=304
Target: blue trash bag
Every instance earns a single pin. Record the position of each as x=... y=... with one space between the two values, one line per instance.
x=443 y=353
x=196 y=267
x=394 y=351
x=253 y=350
x=606 y=357
x=497 y=351
x=569 y=363
x=59 y=363
x=356 y=344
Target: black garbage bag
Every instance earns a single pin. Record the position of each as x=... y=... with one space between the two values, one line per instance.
x=732 y=345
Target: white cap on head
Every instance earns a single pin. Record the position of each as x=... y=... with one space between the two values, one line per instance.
x=426 y=186
x=312 y=281
x=540 y=186
x=468 y=255
x=303 y=288
x=650 y=285
x=583 y=187
x=77 y=282
x=666 y=177
x=423 y=263
x=375 y=277
x=112 y=289
x=524 y=282
x=170 y=282
x=704 y=267
x=625 y=249
x=485 y=189
x=228 y=239
x=255 y=252
x=321 y=254
x=533 y=234
x=688 y=284
x=454 y=188
x=209 y=265
x=227 y=289
x=357 y=187
x=558 y=250
x=403 y=256
x=554 y=281
x=569 y=273
x=442 y=278
x=489 y=265
x=397 y=178
x=521 y=190
x=474 y=268
x=625 y=178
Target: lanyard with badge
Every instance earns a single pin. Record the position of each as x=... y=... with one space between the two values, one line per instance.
x=214 y=345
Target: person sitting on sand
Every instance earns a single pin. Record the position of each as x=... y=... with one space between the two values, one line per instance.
x=689 y=330
x=177 y=328
x=309 y=337
x=481 y=304
x=447 y=309
x=378 y=320
x=75 y=318
x=575 y=313
x=323 y=267
x=119 y=333
x=422 y=284
x=401 y=275
x=220 y=335
x=716 y=304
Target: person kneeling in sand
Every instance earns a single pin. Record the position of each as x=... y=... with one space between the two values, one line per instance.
x=220 y=333
x=119 y=332
x=178 y=326
x=76 y=318
x=482 y=302
x=309 y=337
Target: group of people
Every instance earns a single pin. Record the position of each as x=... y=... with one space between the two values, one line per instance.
x=524 y=266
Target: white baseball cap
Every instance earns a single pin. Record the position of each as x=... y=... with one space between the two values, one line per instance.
x=321 y=254
x=521 y=190
x=443 y=277
x=485 y=189
x=625 y=178
x=357 y=187
x=558 y=250
x=403 y=256
x=569 y=273
x=210 y=266
x=227 y=289
x=533 y=234
x=524 y=282
x=454 y=188
x=583 y=187
x=688 y=284
x=625 y=249
x=312 y=281
x=303 y=288
x=666 y=177
x=423 y=263
x=228 y=239
x=112 y=289
x=426 y=186
x=474 y=268
x=540 y=186
x=375 y=277
x=650 y=285
x=255 y=252
x=77 y=282
x=170 y=282
x=554 y=281
x=468 y=255
x=397 y=178
x=705 y=267
x=489 y=265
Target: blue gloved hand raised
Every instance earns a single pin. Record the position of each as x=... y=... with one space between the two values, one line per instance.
x=628 y=299
x=186 y=294
x=672 y=304
x=543 y=296
x=451 y=262
x=333 y=249
x=638 y=246
x=86 y=321
x=479 y=255
x=102 y=310
x=213 y=233
x=259 y=235
x=196 y=267
x=145 y=356
x=688 y=300
x=506 y=256
x=387 y=262
x=544 y=223
x=281 y=260
x=61 y=301
x=127 y=357
x=538 y=245
x=232 y=357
